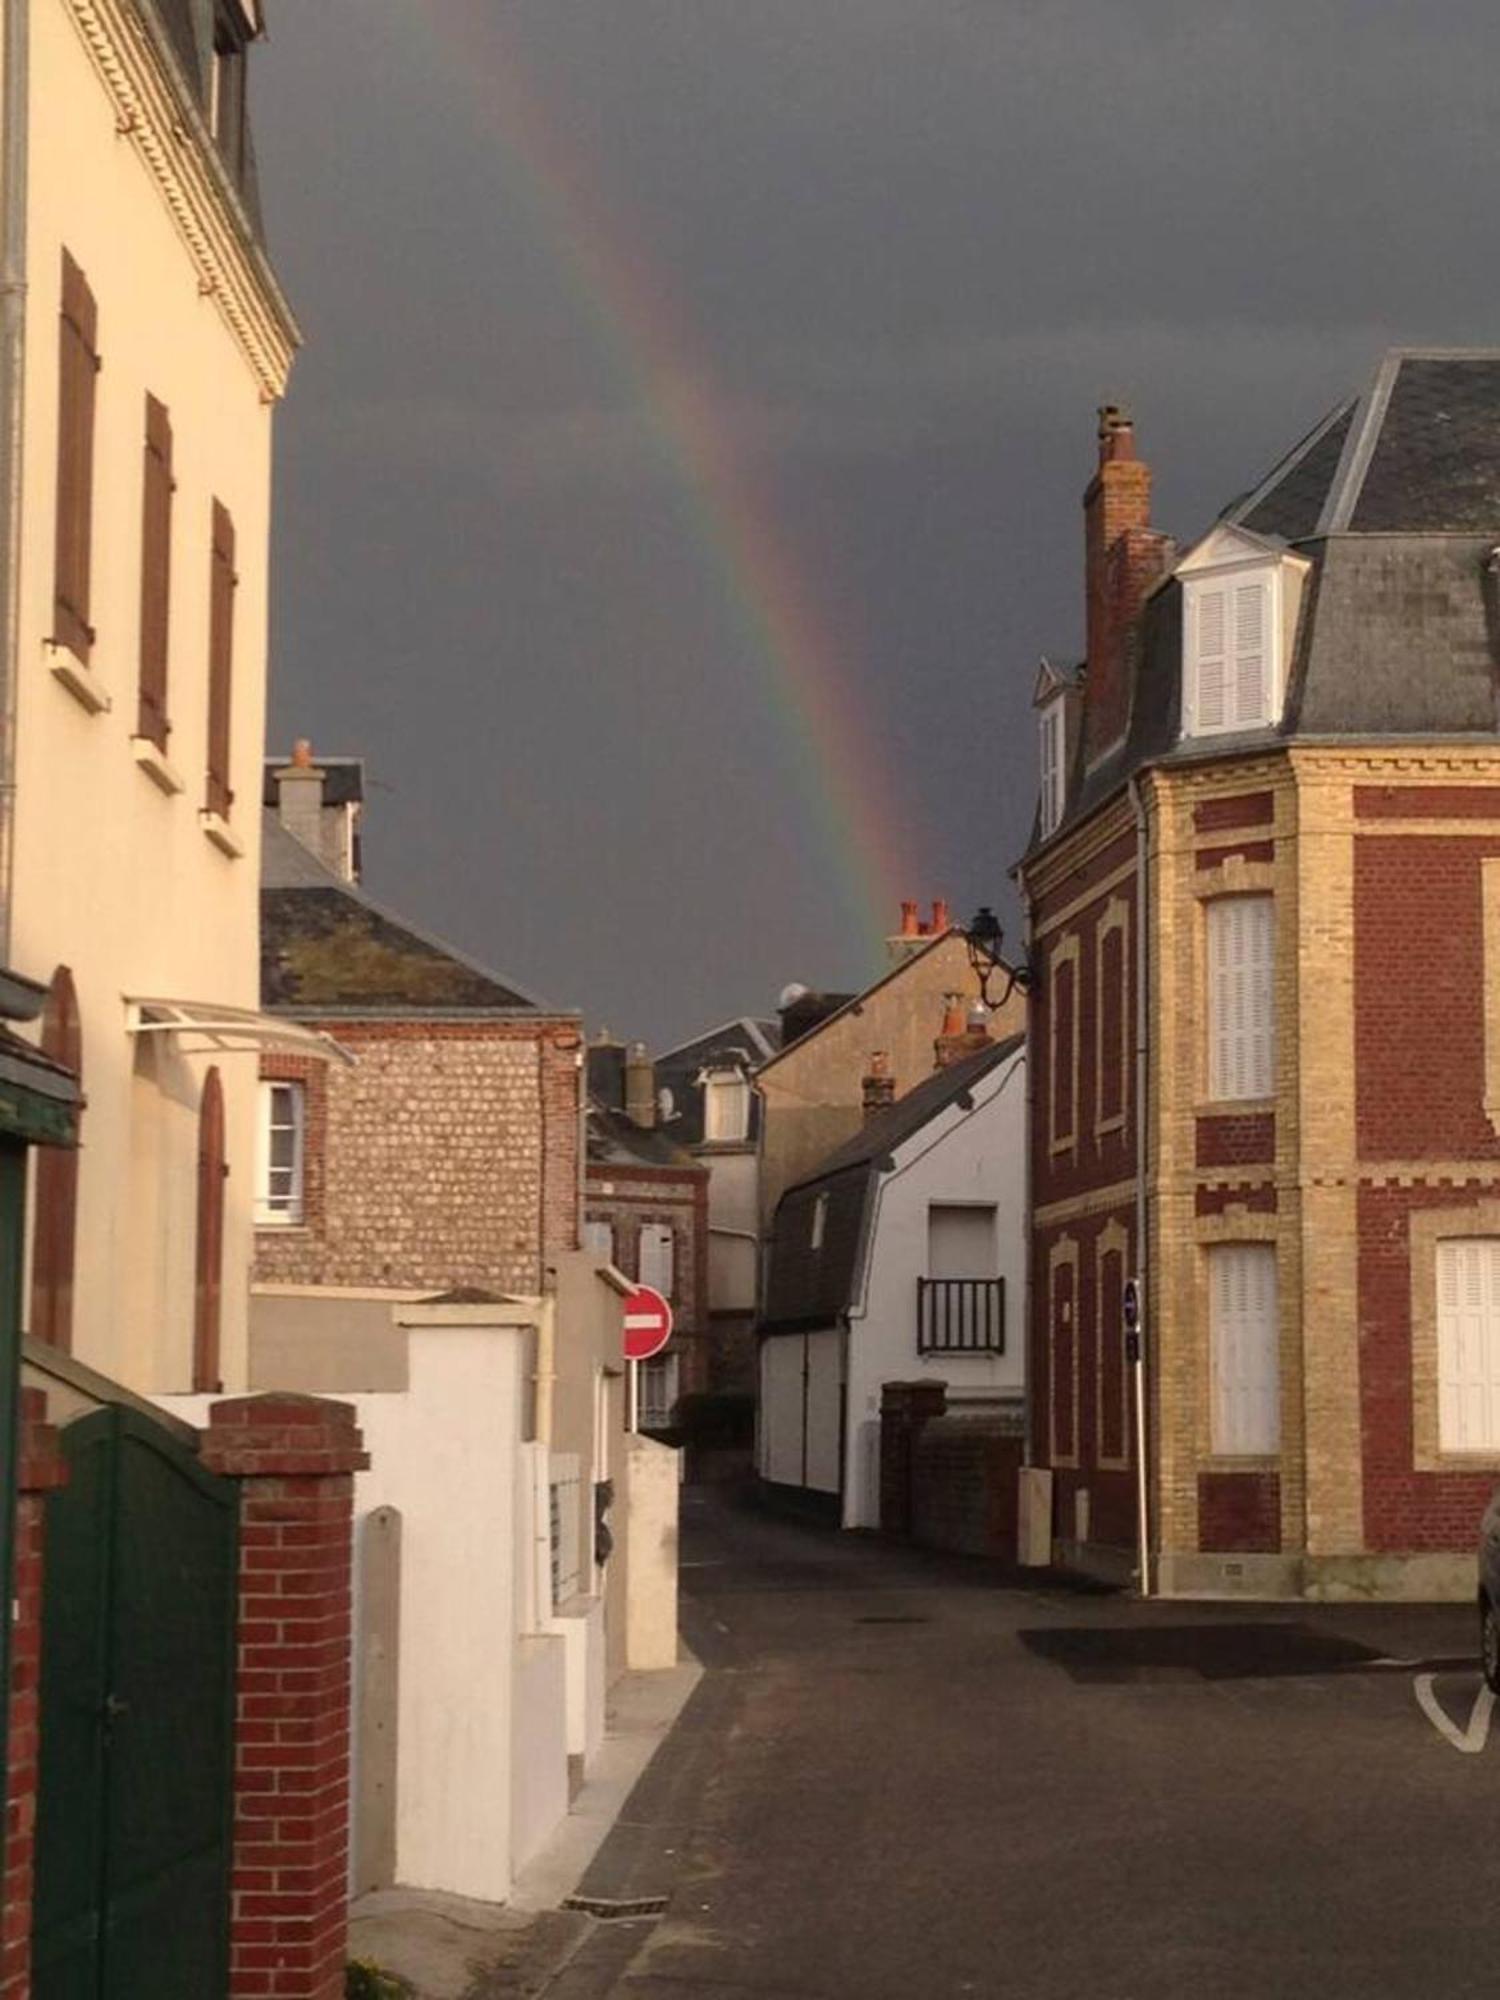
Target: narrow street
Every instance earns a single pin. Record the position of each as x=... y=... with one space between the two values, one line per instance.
x=902 y=1776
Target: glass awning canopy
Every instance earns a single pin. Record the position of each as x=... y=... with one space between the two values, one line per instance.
x=207 y=1024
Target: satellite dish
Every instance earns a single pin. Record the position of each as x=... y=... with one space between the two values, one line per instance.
x=666 y=1105
x=790 y=995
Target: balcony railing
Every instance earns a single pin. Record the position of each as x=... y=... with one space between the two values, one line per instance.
x=960 y=1315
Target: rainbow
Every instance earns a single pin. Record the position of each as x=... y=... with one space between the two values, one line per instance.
x=644 y=338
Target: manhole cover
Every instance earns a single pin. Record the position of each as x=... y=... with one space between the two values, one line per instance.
x=1212 y=1652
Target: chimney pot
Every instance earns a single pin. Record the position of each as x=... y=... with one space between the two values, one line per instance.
x=908 y=920
x=640 y=1087
x=941 y=921
x=302 y=755
x=879 y=1086
x=1116 y=433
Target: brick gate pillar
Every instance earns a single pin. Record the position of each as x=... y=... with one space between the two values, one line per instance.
x=296 y=1457
x=40 y=1469
x=904 y=1408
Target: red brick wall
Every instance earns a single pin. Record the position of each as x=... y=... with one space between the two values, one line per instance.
x=1419 y=969
x=41 y=1469
x=1105 y=1423
x=289 y=1920
x=1237 y=1140
x=678 y=1196
x=1235 y=809
x=1239 y=1512
x=1403 y=1508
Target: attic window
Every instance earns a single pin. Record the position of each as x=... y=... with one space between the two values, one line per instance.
x=226 y=85
x=1053 y=737
x=819 y=1222
x=1232 y=669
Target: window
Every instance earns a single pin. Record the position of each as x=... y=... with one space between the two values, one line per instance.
x=1054 y=774
x=156 y=574
x=726 y=1106
x=1062 y=1000
x=599 y=1240
x=1468 y=1303
x=226 y=88
x=208 y=1278
x=78 y=366
x=1112 y=1046
x=55 y=1189
x=1231 y=679
x=961 y=1301
x=1243 y=1349
x=220 y=661
x=655 y=1257
x=656 y=1386
x=1241 y=998
x=819 y=1222
x=283 y=1147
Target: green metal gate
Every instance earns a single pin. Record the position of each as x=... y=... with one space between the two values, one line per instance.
x=135 y=1781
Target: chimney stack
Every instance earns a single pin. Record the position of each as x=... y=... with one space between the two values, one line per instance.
x=962 y=1033
x=879 y=1085
x=299 y=797
x=914 y=933
x=1123 y=557
x=640 y=1086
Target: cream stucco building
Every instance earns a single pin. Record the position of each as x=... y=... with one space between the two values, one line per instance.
x=142 y=373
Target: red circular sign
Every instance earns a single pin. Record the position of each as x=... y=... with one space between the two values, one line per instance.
x=648 y=1323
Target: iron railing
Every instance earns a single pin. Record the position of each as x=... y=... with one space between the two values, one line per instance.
x=960 y=1315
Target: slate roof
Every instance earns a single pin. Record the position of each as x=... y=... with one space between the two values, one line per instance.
x=807 y=1287
x=1394 y=501
x=614 y=1139
x=326 y=948
x=188 y=27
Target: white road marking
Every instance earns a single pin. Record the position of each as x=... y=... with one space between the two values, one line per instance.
x=1471 y=1740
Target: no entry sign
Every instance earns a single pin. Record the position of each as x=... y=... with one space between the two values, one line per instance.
x=648 y=1323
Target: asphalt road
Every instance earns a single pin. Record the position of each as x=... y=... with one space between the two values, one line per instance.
x=904 y=1776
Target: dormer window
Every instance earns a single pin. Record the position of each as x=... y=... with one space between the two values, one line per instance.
x=235 y=26
x=1239 y=603
x=1054 y=770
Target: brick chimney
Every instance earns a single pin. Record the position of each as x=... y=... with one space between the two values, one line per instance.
x=1123 y=556
x=962 y=1033
x=640 y=1086
x=299 y=797
x=879 y=1085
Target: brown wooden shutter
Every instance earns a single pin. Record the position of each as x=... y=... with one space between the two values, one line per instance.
x=78 y=367
x=55 y=1191
x=220 y=661
x=208 y=1277
x=156 y=573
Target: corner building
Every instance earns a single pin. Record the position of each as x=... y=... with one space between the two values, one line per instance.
x=1264 y=898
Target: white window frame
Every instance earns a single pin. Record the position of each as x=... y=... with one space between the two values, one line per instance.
x=657 y=1391
x=726 y=1091
x=1224 y=588
x=287 y=1211
x=819 y=1222
x=1467 y=1283
x=1052 y=745
x=599 y=1238
x=1244 y=1345
x=656 y=1258
x=1240 y=1015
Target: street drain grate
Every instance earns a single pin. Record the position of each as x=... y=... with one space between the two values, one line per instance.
x=609 y=1907
x=1269 y=1651
x=893 y=1618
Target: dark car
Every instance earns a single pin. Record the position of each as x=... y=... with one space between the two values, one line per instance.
x=1489 y=1594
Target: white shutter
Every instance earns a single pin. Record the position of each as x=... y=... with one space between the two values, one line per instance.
x=599 y=1240
x=655 y=1258
x=1251 y=695
x=1243 y=1343
x=1468 y=1289
x=1210 y=661
x=1052 y=774
x=1241 y=997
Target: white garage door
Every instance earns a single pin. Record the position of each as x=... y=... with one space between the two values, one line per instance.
x=825 y=1402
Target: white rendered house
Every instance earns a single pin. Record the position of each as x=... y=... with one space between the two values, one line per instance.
x=903 y=1257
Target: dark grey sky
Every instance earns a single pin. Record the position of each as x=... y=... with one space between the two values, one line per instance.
x=908 y=246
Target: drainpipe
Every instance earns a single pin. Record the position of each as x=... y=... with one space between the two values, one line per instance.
x=14 y=109
x=1026 y=1323
x=14 y=106
x=1142 y=1081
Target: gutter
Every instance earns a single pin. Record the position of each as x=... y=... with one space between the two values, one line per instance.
x=15 y=57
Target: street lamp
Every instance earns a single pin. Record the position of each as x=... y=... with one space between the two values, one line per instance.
x=986 y=942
